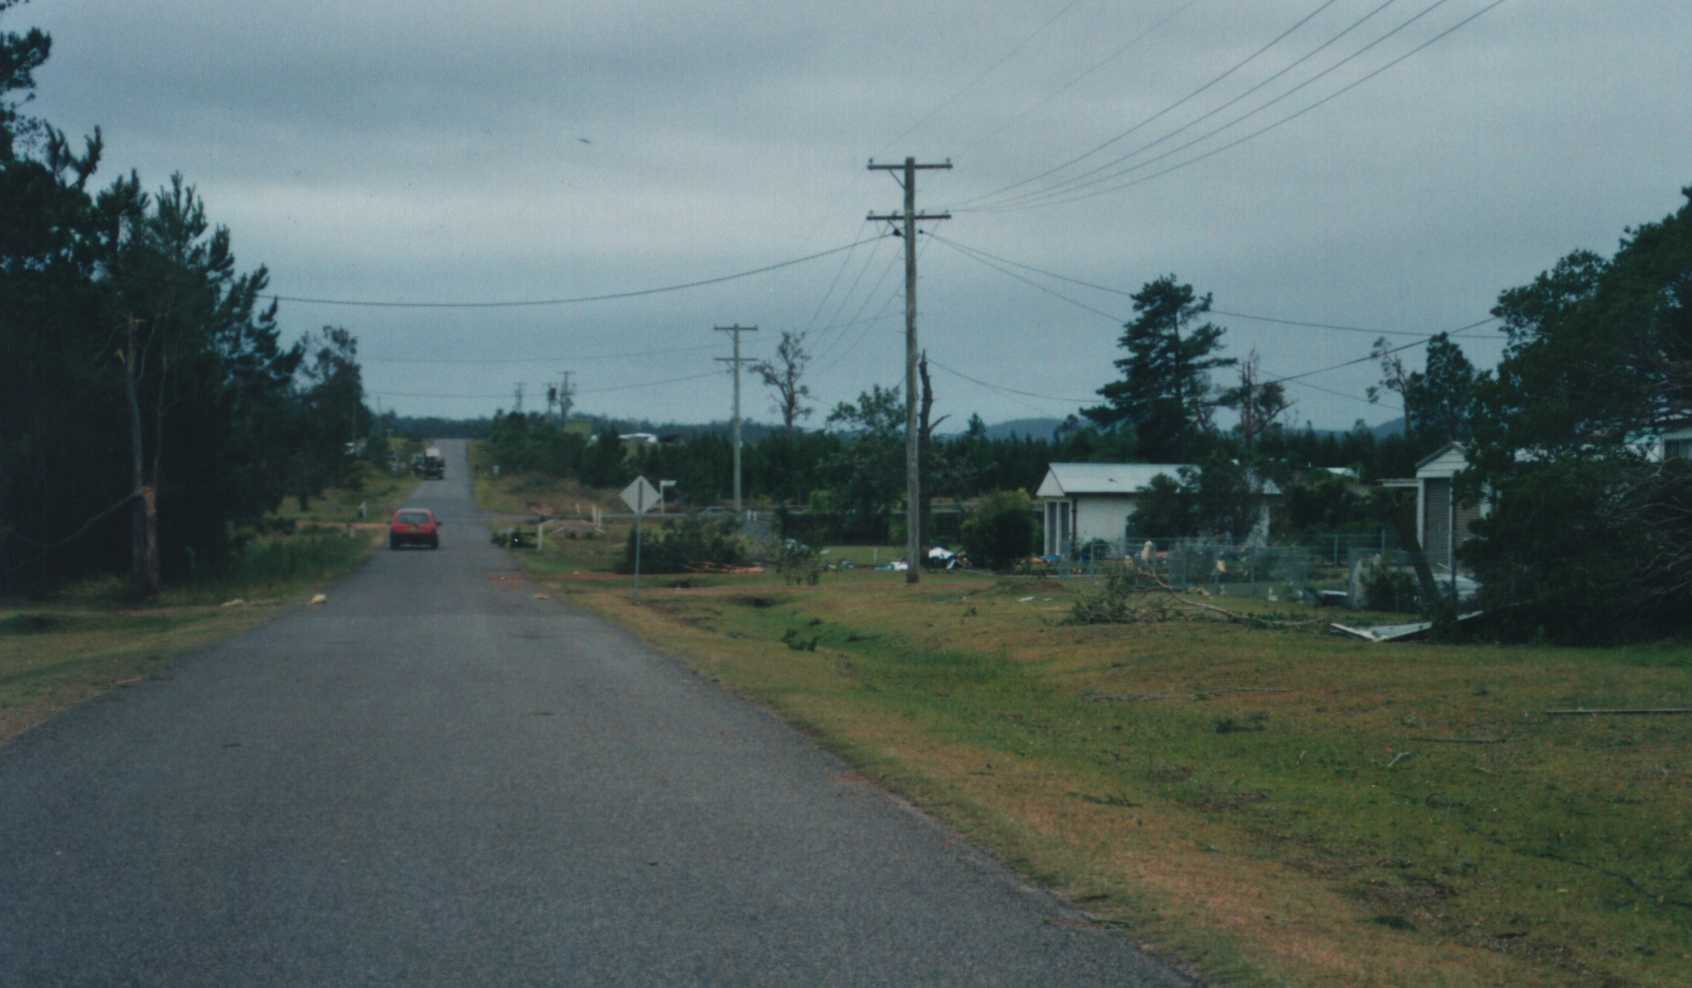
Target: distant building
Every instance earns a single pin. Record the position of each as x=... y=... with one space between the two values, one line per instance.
x=1087 y=502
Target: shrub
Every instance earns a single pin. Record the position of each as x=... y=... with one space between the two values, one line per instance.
x=1000 y=529
x=679 y=546
x=799 y=563
x=1386 y=588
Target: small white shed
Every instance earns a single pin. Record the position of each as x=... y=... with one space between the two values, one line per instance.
x=1084 y=502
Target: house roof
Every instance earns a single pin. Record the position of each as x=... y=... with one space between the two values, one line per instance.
x=1070 y=479
x=1436 y=454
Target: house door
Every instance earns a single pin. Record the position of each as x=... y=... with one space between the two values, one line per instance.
x=1436 y=523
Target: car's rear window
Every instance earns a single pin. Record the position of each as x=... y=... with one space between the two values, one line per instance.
x=412 y=517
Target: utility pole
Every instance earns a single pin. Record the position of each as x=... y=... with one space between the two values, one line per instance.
x=737 y=360
x=566 y=396
x=517 y=403
x=913 y=482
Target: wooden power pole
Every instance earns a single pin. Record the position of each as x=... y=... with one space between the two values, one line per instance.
x=913 y=482
x=737 y=360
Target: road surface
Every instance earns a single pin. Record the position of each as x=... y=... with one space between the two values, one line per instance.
x=437 y=779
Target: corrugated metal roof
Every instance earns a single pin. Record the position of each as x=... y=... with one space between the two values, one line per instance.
x=1069 y=479
x=1063 y=479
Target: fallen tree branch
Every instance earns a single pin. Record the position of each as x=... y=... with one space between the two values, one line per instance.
x=1229 y=690
x=1234 y=616
x=1097 y=697
x=1462 y=740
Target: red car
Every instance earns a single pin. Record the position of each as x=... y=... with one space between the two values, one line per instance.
x=417 y=526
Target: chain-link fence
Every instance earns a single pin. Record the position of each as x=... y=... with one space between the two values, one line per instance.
x=1347 y=570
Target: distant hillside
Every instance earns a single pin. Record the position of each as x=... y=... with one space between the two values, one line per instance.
x=1024 y=428
x=1389 y=428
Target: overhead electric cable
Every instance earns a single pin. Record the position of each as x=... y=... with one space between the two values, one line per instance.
x=870 y=296
x=1374 y=355
x=886 y=303
x=822 y=345
x=1076 y=79
x=1009 y=390
x=980 y=259
x=1324 y=5
x=1075 y=182
x=606 y=297
x=1007 y=56
x=1221 y=312
x=566 y=358
x=845 y=262
x=1060 y=200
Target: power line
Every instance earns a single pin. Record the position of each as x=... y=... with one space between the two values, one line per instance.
x=1010 y=390
x=1242 y=63
x=580 y=391
x=1075 y=80
x=1221 y=312
x=1377 y=354
x=1075 y=182
x=606 y=297
x=534 y=360
x=845 y=262
x=908 y=131
x=1254 y=134
x=822 y=346
x=979 y=258
x=869 y=297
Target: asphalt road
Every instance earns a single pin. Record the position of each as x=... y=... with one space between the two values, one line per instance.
x=436 y=779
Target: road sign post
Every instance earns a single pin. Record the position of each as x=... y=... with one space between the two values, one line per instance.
x=640 y=496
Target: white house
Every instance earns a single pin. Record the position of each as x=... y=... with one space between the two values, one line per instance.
x=1083 y=502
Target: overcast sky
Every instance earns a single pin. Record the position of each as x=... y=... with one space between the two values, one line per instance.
x=422 y=151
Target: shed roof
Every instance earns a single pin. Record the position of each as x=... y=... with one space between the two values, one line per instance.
x=1071 y=479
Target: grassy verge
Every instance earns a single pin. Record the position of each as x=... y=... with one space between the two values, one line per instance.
x=89 y=639
x=1267 y=805
x=380 y=492
x=518 y=495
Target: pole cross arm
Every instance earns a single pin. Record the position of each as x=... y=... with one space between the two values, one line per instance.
x=903 y=165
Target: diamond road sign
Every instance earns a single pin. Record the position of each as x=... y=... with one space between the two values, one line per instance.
x=641 y=496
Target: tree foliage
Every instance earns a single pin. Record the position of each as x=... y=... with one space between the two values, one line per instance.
x=1590 y=534
x=139 y=357
x=1164 y=396
x=1438 y=400
x=1000 y=529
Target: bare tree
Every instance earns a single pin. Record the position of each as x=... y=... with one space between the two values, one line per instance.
x=1259 y=404
x=926 y=425
x=782 y=376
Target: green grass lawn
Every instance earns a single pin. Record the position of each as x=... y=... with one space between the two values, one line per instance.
x=1274 y=806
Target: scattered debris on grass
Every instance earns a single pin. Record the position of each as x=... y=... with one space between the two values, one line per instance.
x=1395 y=632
